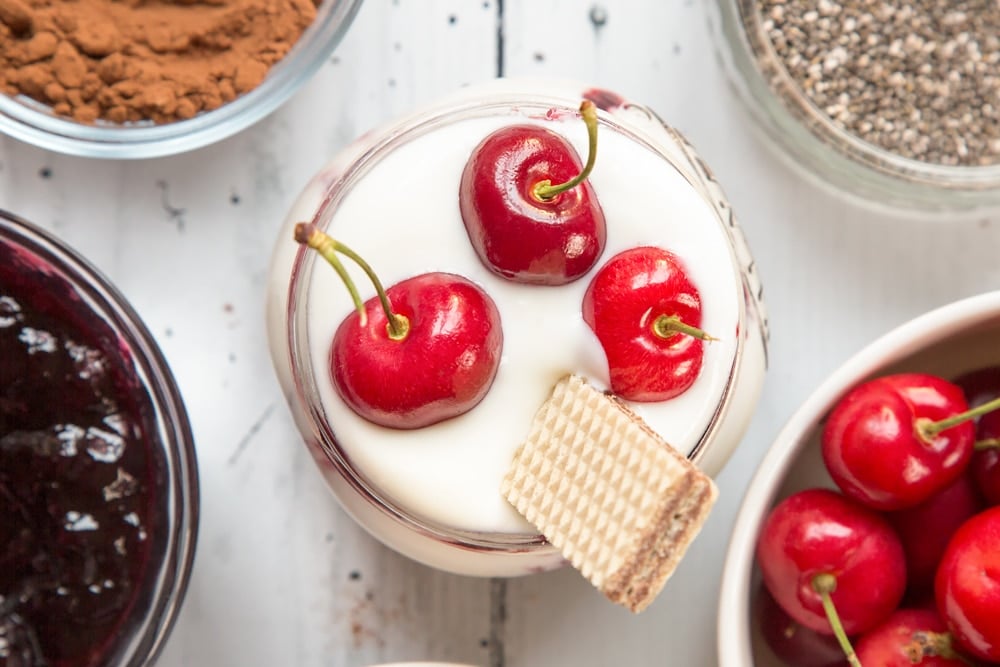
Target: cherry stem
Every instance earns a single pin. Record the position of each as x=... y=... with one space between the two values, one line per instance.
x=328 y=247
x=929 y=429
x=544 y=190
x=825 y=584
x=666 y=326
x=986 y=443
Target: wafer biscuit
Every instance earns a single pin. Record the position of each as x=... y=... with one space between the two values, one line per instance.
x=619 y=502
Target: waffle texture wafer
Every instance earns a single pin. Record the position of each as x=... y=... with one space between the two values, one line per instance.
x=619 y=502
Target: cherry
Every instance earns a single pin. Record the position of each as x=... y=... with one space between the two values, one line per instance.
x=967 y=585
x=645 y=312
x=424 y=350
x=795 y=644
x=522 y=226
x=985 y=463
x=894 y=441
x=981 y=385
x=925 y=529
x=832 y=564
x=909 y=637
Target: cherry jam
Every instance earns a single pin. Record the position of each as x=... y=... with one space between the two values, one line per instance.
x=81 y=511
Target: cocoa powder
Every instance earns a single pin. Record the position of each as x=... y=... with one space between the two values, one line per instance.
x=128 y=61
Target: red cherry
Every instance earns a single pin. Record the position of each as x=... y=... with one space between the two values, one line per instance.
x=925 y=529
x=967 y=586
x=645 y=312
x=981 y=385
x=985 y=463
x=819 y=550
x=795 y=644
x=522 y=227
x=441 y=368
x=887 y=445
x=909 y=637
x=425 y=350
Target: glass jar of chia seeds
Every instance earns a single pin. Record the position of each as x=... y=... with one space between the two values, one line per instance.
x=896 y=105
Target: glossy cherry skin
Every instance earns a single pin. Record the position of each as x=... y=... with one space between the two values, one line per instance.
x=795 y=644
x=967 y=586
x=905 y=639
x=620 y=305
x=442 y=368
x=985 y=463
x=516 y=234
x=925 y=529
x=820 y=531
x=874 y=452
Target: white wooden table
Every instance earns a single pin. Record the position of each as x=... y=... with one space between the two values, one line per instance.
x=282 y=576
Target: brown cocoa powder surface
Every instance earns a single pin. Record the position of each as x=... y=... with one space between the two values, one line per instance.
x=128 y=61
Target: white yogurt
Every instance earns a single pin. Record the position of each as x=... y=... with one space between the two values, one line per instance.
x=402 y=215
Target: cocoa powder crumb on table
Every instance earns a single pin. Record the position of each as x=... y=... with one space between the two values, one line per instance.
x=143 y=60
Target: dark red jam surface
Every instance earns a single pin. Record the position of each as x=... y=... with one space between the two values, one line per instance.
x=78 y=480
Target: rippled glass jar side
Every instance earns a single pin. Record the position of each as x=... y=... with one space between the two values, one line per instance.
x=833 y=158
x=157 y=605
x=484 y=554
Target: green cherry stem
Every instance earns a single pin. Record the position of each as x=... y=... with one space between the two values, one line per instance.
x=987 y=443
x=665 y=326
x=825 y=584
x=544 y=190
x=308 y=234
x=928 y=429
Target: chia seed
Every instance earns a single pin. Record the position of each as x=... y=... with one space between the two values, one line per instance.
x=920 y=79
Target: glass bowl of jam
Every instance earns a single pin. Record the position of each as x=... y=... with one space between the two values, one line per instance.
x=98 y=478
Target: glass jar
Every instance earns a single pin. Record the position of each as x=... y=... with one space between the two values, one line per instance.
x=393 y=197
x=831 y=156
x=42 y=275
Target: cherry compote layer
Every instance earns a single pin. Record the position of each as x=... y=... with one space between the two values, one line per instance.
x=79 y=511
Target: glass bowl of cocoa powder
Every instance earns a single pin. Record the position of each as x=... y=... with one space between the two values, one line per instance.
x=895 y=105
x=108 y=79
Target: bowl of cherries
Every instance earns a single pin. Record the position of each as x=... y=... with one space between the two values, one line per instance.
x=870 y=534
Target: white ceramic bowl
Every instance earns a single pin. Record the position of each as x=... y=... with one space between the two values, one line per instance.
x=948 y=341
